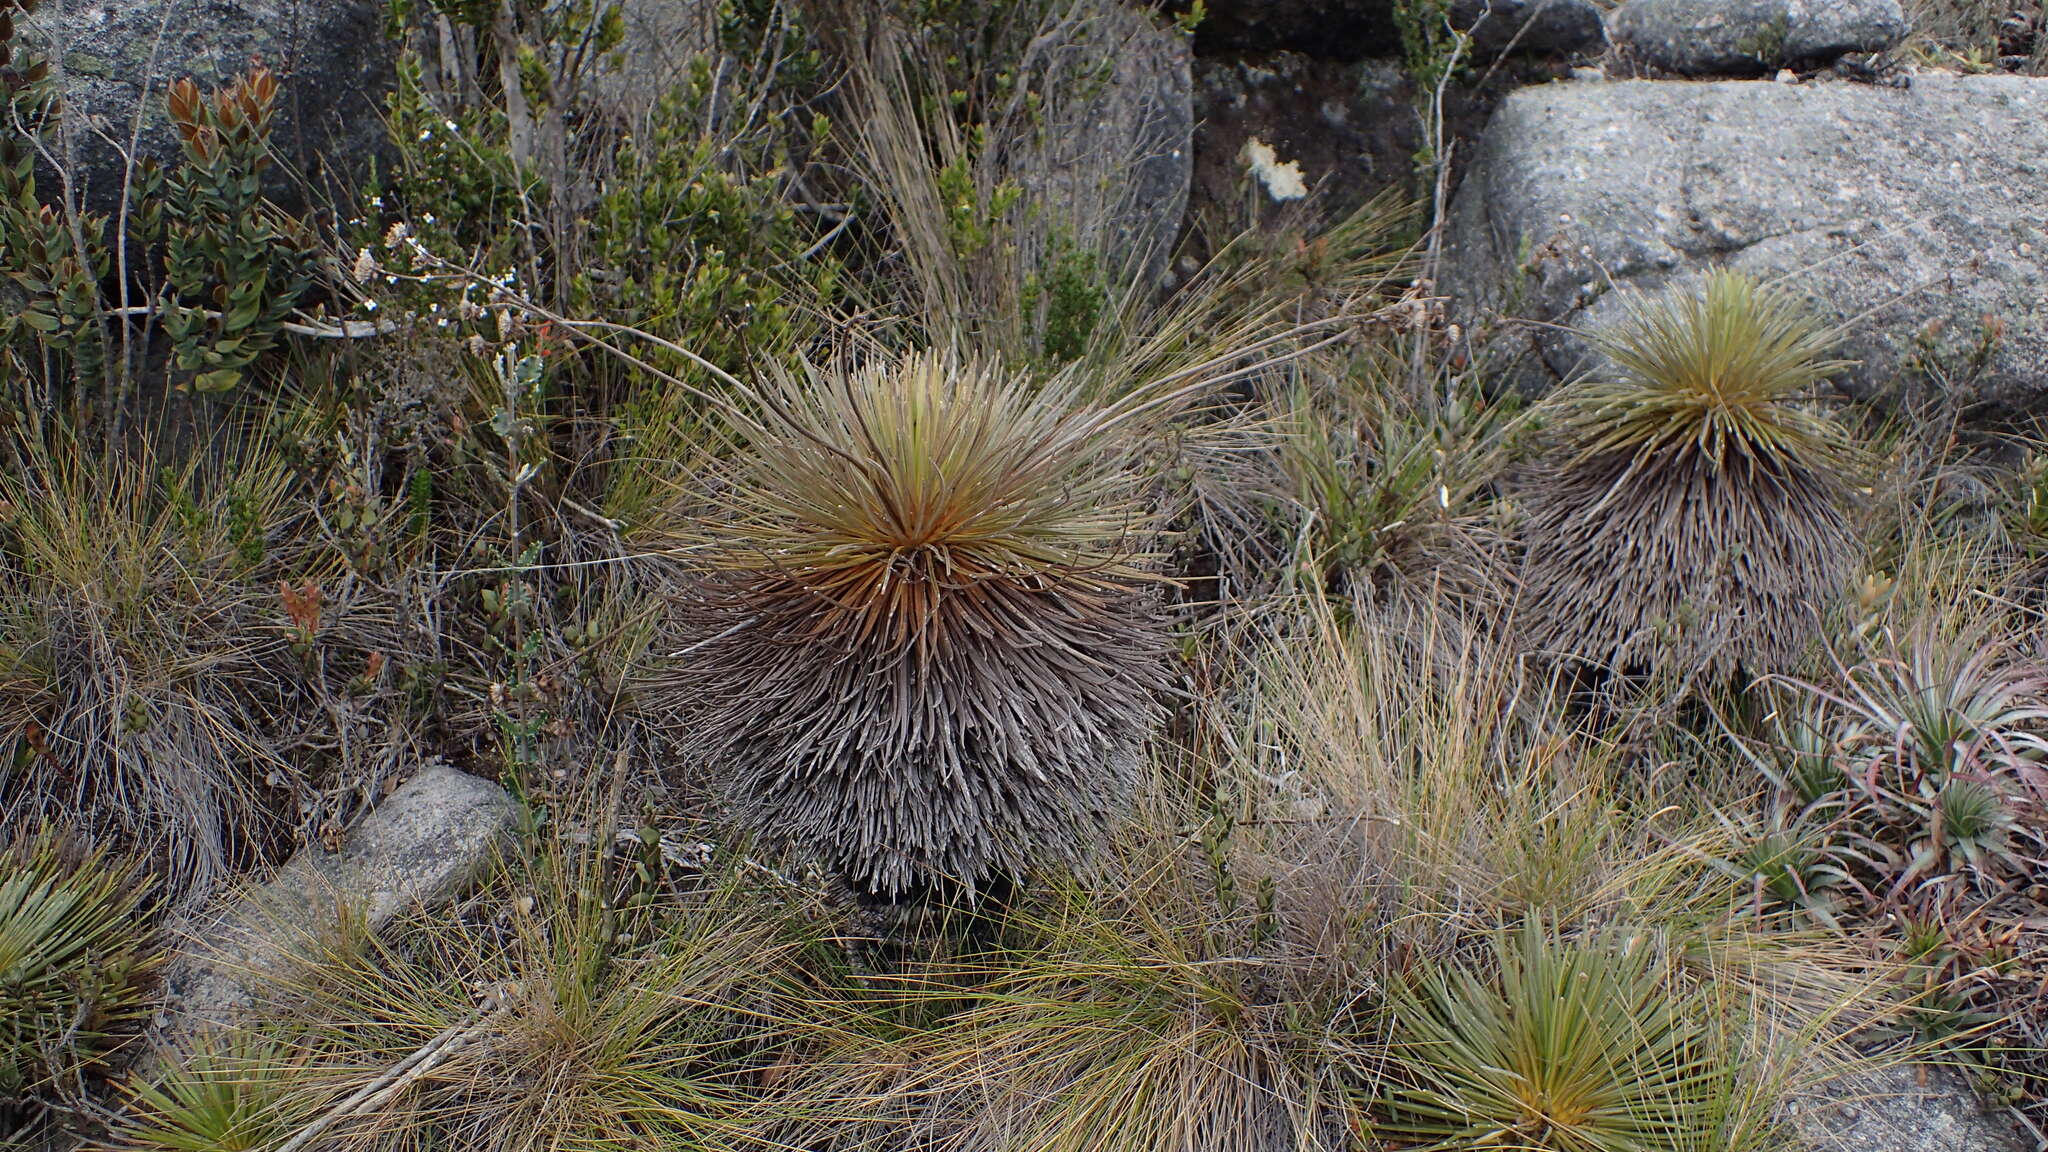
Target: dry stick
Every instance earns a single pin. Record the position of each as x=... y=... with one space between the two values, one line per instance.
x=127 y=381
x=1432 y=254
x=394 y=1080
x=347 y=330
x=518 y=117
x=451 y=64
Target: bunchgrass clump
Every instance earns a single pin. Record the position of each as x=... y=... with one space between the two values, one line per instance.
x=925 y=644
x=1248 y=966
x=1168 y=1014
x=1559 y=1045
x=566 y=1006
x=143 y=658
x=71 y=966
x=1388 y=489
x=1692 y=521
x=1159 y=1007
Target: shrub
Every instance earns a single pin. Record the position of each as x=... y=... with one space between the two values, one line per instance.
x=925 y=646
x=1694 y=521
x=222 y=269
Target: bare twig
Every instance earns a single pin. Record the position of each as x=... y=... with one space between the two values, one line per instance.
x=395 y=1079
x=341 y=330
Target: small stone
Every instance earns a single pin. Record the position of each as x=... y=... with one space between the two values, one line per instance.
x=417 y=848
x=1904 y=1108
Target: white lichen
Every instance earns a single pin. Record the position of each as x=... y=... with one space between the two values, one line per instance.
x=1282 y=179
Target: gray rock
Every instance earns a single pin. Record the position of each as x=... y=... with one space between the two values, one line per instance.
x=1908 y=1108
x=1535 y=27
x=333 y=61
x=1108 y=164
x=1351 y=30
x=420 y=847
x=1741 y=37
x=662 y=38
x=1918 y=217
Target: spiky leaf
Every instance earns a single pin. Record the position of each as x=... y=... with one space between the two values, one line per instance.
x=68 y=962
x=1716 y=375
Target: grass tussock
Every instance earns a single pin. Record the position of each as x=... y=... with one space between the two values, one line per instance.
x=565 y=1008
x=143 y=650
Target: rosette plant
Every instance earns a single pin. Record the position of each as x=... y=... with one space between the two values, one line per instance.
x=926 y=642
x=1692 y=517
